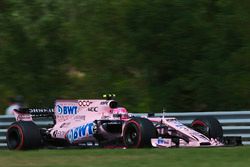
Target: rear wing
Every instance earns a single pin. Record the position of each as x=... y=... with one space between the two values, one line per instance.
x=27 y=114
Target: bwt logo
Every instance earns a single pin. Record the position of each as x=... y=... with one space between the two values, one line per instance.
x=162 y=141
x=67 y=109
x=80 y=132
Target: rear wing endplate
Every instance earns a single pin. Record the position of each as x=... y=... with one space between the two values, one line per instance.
x=27 y=114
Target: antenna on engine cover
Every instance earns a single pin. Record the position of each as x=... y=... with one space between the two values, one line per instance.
x=163 y=112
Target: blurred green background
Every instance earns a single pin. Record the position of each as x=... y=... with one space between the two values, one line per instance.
x=184 y=55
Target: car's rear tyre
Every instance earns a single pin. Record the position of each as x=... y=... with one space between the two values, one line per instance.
x=23 y=135
x=137 y=133
x=208 y=126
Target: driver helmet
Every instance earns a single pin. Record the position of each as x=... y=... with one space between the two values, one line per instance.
x=122 y=112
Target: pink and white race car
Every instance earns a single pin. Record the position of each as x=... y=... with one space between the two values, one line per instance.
x=101 y=122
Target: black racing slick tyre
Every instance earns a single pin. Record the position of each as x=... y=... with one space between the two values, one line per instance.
x=137 y=133
x=208 y=126
x=23 y=135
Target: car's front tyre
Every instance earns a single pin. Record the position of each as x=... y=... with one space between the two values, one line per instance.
x=208 y=126
x=137 y=133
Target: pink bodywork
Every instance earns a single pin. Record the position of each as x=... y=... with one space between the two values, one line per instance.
x=22 y=116
x=74 y=118
x=175 y=127
x=75 y=123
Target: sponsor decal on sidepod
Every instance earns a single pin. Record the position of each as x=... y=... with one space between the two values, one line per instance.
x=92 y=109
x=67 y=109
x=80 y=132
x=84 y=103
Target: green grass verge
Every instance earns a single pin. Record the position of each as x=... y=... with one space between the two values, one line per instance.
x=181 y=157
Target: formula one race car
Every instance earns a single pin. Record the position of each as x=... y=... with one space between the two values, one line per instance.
x=103 y=123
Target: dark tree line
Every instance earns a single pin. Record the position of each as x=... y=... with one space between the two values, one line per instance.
x=184 y=55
